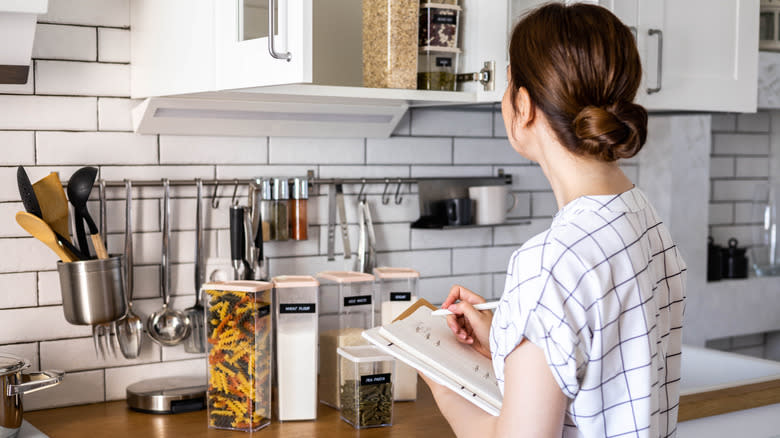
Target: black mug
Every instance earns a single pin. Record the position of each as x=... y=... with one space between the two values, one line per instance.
x=458 y=211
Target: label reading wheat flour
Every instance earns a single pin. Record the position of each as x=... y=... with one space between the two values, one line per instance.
x=359 y=300
x=400 y=296
x=375 y=379
x=298 y=308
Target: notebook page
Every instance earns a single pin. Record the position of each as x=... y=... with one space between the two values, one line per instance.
x=429 y=339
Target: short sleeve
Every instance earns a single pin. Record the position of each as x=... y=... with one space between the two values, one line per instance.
x=535 y=308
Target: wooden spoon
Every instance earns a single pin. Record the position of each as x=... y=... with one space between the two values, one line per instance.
x=43 y=232
x=54 y=204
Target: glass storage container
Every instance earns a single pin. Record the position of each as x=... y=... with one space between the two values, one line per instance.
x=347 y=308
x=439 y=25
x=438 y=70
x=295 y=313
x=396 y=290
x=390 y=43
x=239 y=328
x=366 y=386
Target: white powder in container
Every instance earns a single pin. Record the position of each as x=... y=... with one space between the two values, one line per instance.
x=296 y=374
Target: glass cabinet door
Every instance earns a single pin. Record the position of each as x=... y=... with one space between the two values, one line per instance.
x=244 y=43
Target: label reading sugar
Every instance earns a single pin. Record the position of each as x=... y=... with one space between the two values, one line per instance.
x=298 y=308
x=400 y=296
x=264 y=311
x=359 y=300
x=375 y=379
x=443 y=62
x=446 y=18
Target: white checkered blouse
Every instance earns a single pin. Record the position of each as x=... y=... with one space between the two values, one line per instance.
x=601 y=292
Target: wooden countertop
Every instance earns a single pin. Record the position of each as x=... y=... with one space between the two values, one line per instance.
x=114 y=419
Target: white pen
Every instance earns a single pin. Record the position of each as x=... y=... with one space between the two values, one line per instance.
x=481 y=306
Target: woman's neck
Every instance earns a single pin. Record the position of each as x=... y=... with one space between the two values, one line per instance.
x=572 y=176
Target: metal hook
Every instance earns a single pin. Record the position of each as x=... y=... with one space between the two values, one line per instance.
x=398 y=198
x=233 y=199
x=385 y=198
x=362 y=196
x=214 y=200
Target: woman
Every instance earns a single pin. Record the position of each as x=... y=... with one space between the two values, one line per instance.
x=586 y=339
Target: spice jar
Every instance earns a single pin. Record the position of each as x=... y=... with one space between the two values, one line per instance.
x=281 y=209
x=238 y=328
x=299 y=220
x=295 y=313
x=266 y=210
x=366 y=386
x=346 y=309
x=439 y=25
x=390 y=43
x=396 y=290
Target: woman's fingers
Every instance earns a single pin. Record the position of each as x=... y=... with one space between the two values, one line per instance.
x=461 y=293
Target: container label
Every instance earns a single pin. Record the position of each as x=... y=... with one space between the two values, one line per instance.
x=375 y=379
x=264 y=311
x=446 y=18
x=400 y=296
x=359 y=300
x=298 y=308
x=443 y=62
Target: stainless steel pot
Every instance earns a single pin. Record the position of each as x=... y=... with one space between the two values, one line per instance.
x=13 y=384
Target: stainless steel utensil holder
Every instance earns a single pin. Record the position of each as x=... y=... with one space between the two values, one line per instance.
x=93 y=291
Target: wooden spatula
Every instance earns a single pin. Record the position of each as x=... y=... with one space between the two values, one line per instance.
x=53 y=203
x=43 y=232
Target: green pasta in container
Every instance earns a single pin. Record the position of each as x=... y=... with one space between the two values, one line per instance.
x=366 y=386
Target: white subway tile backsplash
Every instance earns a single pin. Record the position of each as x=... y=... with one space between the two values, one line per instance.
x=8 y=225
x=403 y=150
x=48 y=112
x=527 y=178
x=392 y=237
x=753 y=167
x=95 y=148
x=19 y=290
x=177 y=353
x=37 y=324
x=499 y=128
x=76 y=43
x=113 y=45
x=18 y=148
x=257 y=171
x=486 y=151
x=747 y=213
x=25 y=88
x=25 y=254
x=753 y=122
x=450 y=171
x=721 y=214
x=26 y=351
x=522 y=207
x=364 y=172
x=721 y=167
x=49 y=288
x=117 y=379
x=79 y=354
x=479 y=260
x=450 y=122
x=181 y=149
x=733 y=190
x=518 y=234
x=113 y=13
x=75 y=389
x=724 y=122
x=743 y=233
x=146 y=214
x=156 y=172
x=432 y=239
x=740 y=144
x=82 y=78
x=429 y=263
x=436 y=290
x=114 y=113
x=543 y=204
x=288 y=150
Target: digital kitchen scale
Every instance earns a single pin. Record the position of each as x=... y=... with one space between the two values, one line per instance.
x=168 y=395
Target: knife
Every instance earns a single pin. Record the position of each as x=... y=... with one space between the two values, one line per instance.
x=237 y=241
x=343 y=218
x=332 y=222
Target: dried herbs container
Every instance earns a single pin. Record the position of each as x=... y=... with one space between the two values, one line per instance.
x=396 y=290
x=439 y=25
x=390 y=43
x=239 y=329
x=295 y=314
x=438 y=69
x=366 y=386
x=347 y=308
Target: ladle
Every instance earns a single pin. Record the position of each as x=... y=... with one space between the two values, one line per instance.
x=79 y=188
x=129 y=328
x=167 y=327
x=196 y=342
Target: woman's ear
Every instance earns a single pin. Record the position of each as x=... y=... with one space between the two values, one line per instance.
x=525 y=108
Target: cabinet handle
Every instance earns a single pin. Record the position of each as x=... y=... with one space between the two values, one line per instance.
x=272 y=32
x=660 y=34
x=633 y=31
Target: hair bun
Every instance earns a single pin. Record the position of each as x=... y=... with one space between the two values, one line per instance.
x=618 y=130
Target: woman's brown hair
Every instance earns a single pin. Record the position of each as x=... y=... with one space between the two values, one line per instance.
x=581 y=68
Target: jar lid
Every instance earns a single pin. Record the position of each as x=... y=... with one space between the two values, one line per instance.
x=363 y=353
x=238 y=286
x=345 y=276
x=440 y=6
x=281 y=189
x=284 y=281
x=265 y=189
x=300 y=189
x=396 y=273
x=10 y=364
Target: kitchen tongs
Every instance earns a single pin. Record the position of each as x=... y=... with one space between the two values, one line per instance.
x=366 y=258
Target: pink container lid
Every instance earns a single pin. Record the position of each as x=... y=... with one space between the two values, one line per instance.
x=345 y=276
x=284 y=281
x=385 y=272
x=238 y=286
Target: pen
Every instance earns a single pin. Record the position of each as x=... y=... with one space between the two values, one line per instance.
x=482 y=306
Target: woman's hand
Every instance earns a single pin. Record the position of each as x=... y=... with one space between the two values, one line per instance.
x=469 y=325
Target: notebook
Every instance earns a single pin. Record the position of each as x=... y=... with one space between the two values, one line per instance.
x=425 y=343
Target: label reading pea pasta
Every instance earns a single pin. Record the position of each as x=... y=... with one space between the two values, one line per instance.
x=359 y=300
x=298 y=308
x=375 y=379
x=400 y=296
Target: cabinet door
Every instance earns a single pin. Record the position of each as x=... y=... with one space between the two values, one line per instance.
x=709 y=54
x=486 y=27
x=241 y=33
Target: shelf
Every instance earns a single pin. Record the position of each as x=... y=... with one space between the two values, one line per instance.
x=463 y=227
